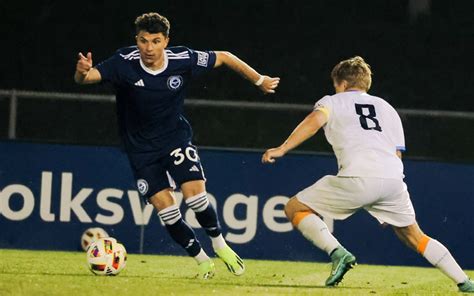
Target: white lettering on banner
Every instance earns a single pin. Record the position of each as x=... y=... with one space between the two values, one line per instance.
x=104 y=203
x=141 y=215
x=28 y=202
x=69 y=203
x=249 y=224
x=110 y=208
x=45 y=203
x=270 y=213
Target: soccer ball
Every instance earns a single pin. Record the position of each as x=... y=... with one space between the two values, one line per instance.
x=90 y=235
x=106 y=256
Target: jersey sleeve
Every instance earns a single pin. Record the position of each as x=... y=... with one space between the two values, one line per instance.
x=201 y=61
x=108 y=69
x=399 y=134
x=396 y=128
x=324 y=105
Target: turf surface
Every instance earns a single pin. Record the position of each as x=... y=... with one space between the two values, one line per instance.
x=24 y=272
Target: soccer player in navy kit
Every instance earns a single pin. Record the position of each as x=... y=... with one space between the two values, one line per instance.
x=150 y=80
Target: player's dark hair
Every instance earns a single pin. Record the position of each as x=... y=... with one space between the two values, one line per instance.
x=355 y=71
x=152 y=22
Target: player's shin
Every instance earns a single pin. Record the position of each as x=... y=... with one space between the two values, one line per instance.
x=206 y=215
x=315 y=230
x=439 y=256
x=181 y=232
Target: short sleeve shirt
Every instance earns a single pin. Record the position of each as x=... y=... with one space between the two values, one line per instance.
x=150 y=103
x=365 y=132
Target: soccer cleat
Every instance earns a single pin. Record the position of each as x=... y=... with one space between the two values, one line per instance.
x=207 y=269
x=233 y=262
x=466 y=287
x=342 y=261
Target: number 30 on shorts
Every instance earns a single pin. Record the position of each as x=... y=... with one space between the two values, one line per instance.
x=189 y=153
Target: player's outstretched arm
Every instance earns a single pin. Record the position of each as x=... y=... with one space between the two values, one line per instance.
x=305 y=130
x=265 y=83
x=85 y=74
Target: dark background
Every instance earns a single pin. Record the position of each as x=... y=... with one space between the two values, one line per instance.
x=419 y=61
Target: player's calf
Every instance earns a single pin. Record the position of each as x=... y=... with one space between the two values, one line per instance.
x=184 y=235
x=207 y=218
x=205 y=213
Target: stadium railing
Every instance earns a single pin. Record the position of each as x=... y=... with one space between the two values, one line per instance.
x=79 y=118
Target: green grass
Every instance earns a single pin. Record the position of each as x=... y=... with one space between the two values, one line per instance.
x=65 y=273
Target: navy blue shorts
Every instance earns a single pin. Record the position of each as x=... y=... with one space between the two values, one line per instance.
x=181 y=165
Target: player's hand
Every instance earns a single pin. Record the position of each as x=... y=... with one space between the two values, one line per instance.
x=269 y=84
x=270 y=155
x=84 y=63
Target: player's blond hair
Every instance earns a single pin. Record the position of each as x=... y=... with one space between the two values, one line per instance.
x=355 y=71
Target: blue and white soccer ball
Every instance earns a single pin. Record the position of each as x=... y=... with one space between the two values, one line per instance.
x=106 y=256
x=90 y=235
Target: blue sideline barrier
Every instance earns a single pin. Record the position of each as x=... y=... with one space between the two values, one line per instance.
x=49 y=194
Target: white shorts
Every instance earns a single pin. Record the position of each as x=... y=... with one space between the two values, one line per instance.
x=339 y=197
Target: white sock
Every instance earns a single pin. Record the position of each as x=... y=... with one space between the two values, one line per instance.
x=316 y=231
x=440 y=257
x=201 y=257
x=218 y=242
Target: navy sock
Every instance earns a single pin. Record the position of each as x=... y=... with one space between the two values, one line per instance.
x=205 y=214
x=180 y=231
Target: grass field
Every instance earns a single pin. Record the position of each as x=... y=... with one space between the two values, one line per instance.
x=65 y=273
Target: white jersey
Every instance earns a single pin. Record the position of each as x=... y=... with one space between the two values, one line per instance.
x=365 y=132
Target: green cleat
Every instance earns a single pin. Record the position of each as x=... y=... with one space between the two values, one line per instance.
x=342 y=261
x=233 y=262
x=467 y=286
x=207 y=270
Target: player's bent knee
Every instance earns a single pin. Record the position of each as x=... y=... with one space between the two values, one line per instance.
x=290 y=208
x=299 y=216
x=295 y=211
x=162 y=199
x=192 y=188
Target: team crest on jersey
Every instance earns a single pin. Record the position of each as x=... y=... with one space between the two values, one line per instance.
x=175 y=82
x=142 y=186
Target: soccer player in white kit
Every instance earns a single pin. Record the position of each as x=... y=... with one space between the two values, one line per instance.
x=367 y=137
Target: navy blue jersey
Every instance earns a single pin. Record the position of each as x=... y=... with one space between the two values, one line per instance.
x=150 y=103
